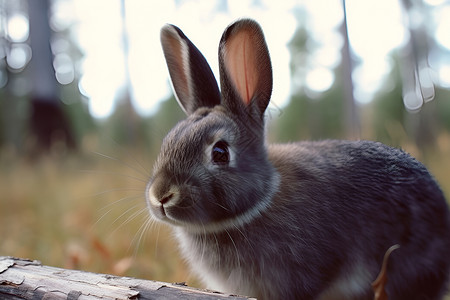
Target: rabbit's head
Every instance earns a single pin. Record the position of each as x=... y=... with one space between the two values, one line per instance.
x=213 y=171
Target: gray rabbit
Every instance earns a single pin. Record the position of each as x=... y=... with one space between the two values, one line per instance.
x=306 y=220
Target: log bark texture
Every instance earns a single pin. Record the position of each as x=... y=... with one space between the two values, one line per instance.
x=29 y=279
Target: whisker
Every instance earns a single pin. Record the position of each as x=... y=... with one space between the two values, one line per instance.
x=221 y=206
x=218 y=249
x=127 y=189
x=146 y=173
x=141 y=233
x=140 y=164
x=235 y=248
x=118 y=218
x=113 y=173
x=133 y=197
x=129 y=218
x=101 y=218
x=245 y=237
x=127 y=154
x=157 y=237
x=204 y=242
x=111 y=209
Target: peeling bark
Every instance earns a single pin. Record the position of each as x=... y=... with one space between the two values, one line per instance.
x=27 y=279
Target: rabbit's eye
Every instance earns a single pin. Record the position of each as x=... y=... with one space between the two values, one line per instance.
x=220 y=154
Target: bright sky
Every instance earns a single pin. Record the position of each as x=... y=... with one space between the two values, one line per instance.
x=375 y=28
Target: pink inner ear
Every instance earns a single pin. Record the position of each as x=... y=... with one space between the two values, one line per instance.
x=240 y=61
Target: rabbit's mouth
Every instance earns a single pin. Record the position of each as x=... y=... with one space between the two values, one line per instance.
x=160 y=202
x=162 y=211
x=171 y=207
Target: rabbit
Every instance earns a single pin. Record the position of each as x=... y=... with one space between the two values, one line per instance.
x=303 y=220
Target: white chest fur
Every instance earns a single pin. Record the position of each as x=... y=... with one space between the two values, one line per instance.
x=210 y=268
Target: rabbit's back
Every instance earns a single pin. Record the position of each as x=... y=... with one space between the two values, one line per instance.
x=355 y=199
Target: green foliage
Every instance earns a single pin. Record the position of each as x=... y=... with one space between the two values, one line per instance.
x=389 y=112
x=14 y=113
x=76 y=110
x=310 y=116
x=127 y=129
x=298 y=49
x=157 y=126
x=443 y=108
x=305 y=118
x=392 y=124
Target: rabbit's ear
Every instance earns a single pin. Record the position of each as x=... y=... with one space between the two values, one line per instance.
x=192 y=79
x=245 y=68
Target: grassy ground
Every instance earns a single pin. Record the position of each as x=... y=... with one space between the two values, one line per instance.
x=88 y=212
x=85 y=213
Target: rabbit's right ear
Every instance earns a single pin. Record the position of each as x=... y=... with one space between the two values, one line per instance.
x=245 y=67
x=192 y=79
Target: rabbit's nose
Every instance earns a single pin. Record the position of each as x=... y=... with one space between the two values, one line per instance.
x=160 y=198
x=166 y=198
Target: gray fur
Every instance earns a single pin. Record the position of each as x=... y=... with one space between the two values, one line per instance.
x=306 y=220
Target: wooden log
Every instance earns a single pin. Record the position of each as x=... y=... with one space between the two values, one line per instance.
x=29 y=279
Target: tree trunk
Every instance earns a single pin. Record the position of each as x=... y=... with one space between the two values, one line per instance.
x=48 y=122
x=352 y=125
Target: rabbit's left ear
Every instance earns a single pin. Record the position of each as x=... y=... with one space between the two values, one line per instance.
x=245 y=67
x=192 y=79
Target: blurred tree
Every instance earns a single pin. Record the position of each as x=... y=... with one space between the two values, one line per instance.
x=77 y=112
x=293 y=123
x=24 y=81
x=129 y=116
x=48 y=121
x=352 y=126
x=388 y=112
x=14 y=57
x=149 y=131
x=410 y=108
x=443 y=108
x=393 y=124
x=310 y=114
x=123 y=124
x=157 y=126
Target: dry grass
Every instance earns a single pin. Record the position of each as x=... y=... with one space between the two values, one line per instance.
x=88 y=212
x=85 y=212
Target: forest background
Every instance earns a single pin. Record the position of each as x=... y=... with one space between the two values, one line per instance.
x=72 y=183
